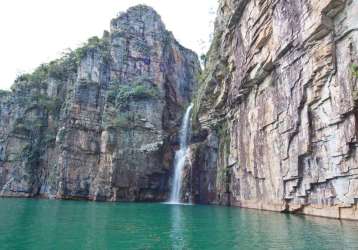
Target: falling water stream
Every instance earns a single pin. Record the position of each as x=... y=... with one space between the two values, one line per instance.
x=180 y=156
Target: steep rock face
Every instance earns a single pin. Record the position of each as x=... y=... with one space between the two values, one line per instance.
x=99 y=123
x=278 y=101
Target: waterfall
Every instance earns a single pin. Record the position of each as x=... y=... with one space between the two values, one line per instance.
x=180 y=156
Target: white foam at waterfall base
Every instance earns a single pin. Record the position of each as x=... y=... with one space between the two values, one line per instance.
x=180 y=157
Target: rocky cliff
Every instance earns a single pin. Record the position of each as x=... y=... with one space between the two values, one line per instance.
x=275 y=117
x=101 y=122
x=276 y=113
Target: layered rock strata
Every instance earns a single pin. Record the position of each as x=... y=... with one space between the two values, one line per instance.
x=278 y=102
x=101 y=122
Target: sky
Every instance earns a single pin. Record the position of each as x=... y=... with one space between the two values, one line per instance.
x=38 y=31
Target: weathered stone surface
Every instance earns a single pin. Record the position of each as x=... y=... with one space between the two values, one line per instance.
x=279 y=94
x=97 y=124
x=275 y=125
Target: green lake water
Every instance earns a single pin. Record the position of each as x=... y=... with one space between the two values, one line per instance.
x=52 y=224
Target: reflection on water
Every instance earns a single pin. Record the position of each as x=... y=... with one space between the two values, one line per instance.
x=177 y=227
x=43 y=224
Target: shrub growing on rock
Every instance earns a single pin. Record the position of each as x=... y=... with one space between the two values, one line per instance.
x=355 y=70
x=123 y=93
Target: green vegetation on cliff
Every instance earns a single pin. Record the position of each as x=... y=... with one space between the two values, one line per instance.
x=61 y=69
x=122 y=93
x=94 y=43
x=118 y=97
x=355 y=70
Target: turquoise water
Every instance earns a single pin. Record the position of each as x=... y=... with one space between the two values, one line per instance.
x=48 y=224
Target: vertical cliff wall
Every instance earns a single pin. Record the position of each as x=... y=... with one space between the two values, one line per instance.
x=101 y=122
x=276 y=112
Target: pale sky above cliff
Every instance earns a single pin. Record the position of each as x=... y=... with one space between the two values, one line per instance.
x=37 y=31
